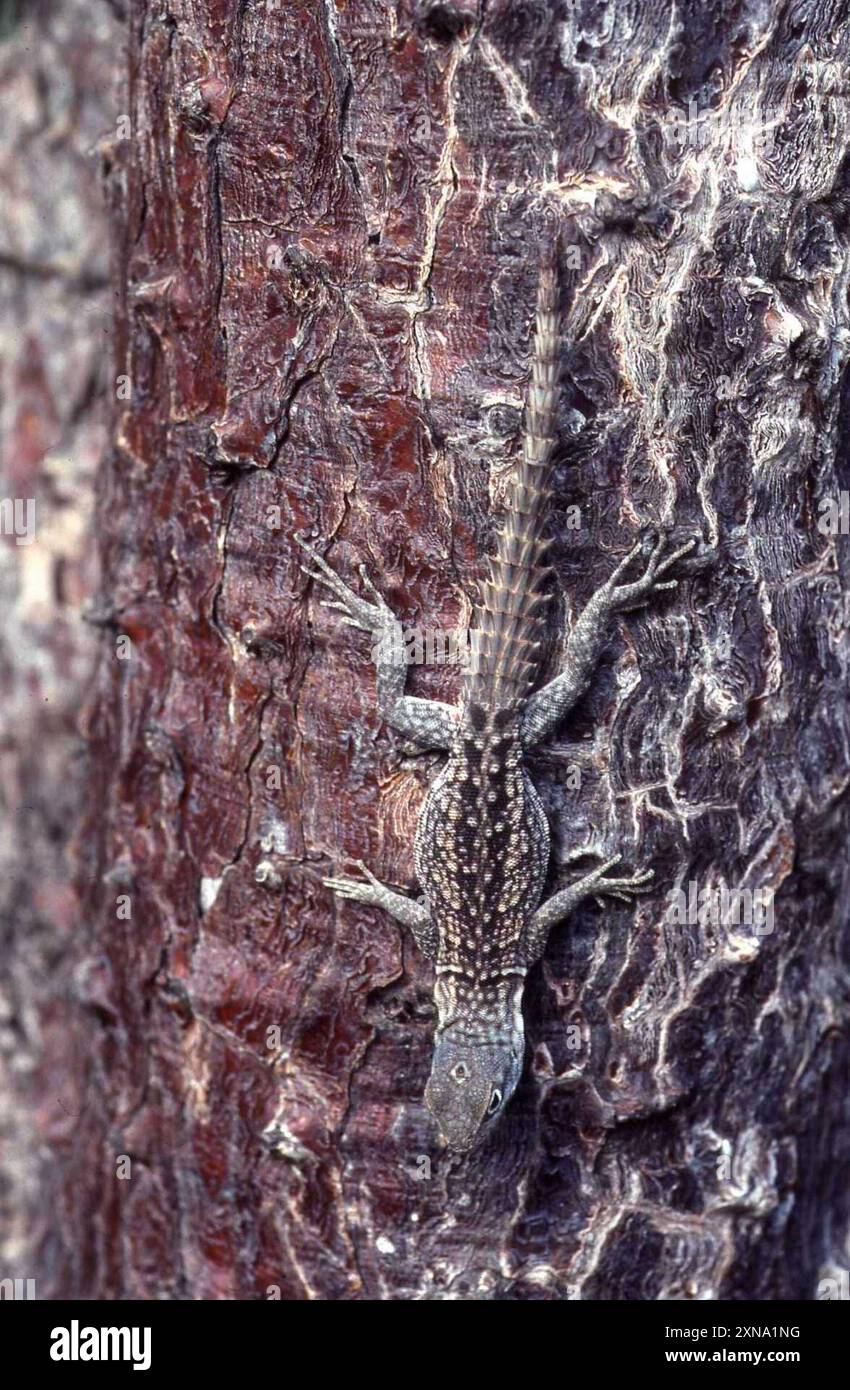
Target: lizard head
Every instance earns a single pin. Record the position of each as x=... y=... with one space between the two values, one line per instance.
x=470 y=1085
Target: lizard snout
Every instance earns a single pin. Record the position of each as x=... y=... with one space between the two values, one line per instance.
x=469 y=1086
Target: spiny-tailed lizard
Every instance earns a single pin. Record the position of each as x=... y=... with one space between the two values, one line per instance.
x=482 y=843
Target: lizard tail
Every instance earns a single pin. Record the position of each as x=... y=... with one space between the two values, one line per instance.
x=507 y=632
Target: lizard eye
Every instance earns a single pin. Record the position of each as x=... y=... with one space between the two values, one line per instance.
x=460 y=1073
x=495 y=1102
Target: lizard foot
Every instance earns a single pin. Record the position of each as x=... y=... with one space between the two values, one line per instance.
x=357 y=612
x=623 y=889
x=637 y=593
x=368 y=892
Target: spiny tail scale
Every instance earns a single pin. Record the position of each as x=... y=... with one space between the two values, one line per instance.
x=506 y=636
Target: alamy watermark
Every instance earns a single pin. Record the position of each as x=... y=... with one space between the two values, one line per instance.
x=696 y=129
x=834 y=1286
x=413 y=646
x=834 y=514
x=84 y=1343
x=720 y=905
x=17 y=518
x=19 y=1289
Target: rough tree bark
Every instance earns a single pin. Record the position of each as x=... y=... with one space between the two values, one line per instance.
x=328 y=222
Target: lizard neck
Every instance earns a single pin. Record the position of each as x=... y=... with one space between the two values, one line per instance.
x=491 y=1014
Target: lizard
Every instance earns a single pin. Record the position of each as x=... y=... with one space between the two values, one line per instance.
x=482 y=844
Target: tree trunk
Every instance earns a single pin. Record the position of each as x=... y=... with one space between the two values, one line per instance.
x=329 y=221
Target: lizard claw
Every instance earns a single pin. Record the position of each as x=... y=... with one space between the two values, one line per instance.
x=636 y=594
x=366 y=872
x=356 y=611
x=349 y=888
x=367 y=581
x=608 y=864
x=352 y=887
x=623 y=889
x=624 y=565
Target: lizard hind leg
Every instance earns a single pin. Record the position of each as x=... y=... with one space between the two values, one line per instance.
x=429 y=722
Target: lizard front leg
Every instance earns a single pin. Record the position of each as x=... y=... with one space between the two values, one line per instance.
x=430 y=722
x=548 y=706
x=373 y=893
x=561 y=904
